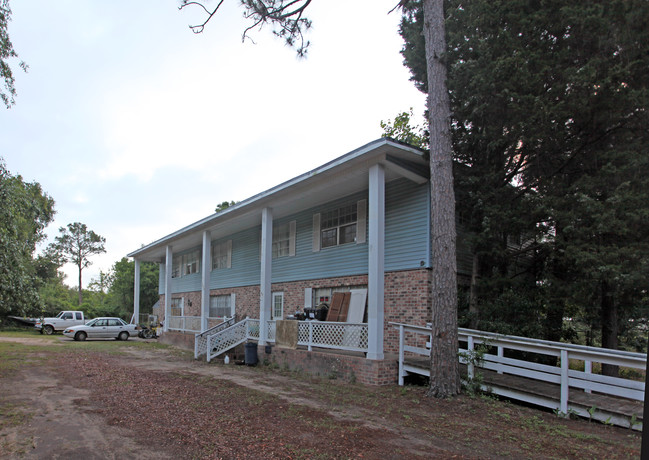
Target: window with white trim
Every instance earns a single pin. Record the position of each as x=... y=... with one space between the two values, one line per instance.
x=284 y=240
x=222 y=255
x=176 y=266
x=191 y=262
x=278 y=306
x=177 y=306
x=220 y=306
x=338 y=226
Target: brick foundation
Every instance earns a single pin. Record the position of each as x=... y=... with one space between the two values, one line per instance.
x=325 y=364
x=333 y=365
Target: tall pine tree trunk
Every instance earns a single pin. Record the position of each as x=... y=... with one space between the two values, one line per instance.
x=444 y=368
x=609 y=326
x=80 y=294
x=474 y=313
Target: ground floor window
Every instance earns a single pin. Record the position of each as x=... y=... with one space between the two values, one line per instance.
x=323 y=295
x=220 y=306
x=177 y=306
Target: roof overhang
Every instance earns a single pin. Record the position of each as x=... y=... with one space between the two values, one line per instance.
x=341 y=177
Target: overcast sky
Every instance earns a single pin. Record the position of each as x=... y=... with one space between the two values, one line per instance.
x=137 y=127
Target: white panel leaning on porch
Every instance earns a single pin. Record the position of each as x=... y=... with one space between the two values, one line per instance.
x=355 y=314
x=357 y=306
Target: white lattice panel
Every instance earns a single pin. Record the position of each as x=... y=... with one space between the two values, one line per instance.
x=344 y=336
x=253 y=329
x=200 y=345
x=226 y=339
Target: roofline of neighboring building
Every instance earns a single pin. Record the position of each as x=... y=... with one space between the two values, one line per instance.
x=371 y=146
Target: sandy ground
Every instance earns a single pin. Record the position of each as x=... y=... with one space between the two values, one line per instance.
x=57 y=406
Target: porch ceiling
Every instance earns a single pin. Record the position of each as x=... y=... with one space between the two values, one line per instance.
x=341 y=177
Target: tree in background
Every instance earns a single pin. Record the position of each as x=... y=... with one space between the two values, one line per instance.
x=224 y=205
x=7 y=52
x=550 y=119
x=76 y=244
x=25 y=211
x=287 y=18
x=121 y=290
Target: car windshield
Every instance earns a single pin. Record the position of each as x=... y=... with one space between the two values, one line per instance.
x=91 y=323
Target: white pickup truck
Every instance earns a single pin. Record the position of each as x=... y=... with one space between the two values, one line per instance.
x=62 y=321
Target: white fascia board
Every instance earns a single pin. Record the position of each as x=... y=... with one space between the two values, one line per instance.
x=377 y=149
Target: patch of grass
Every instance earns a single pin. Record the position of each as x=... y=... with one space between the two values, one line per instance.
x=13 y=415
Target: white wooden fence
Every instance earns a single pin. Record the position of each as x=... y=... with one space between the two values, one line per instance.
x=414 y=341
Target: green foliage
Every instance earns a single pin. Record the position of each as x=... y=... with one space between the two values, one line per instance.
x=224 y=205
x=120 y=292
x=25 y=211
x=76 y=244
x=402 y=130
x=549 y=125
x=7 y=52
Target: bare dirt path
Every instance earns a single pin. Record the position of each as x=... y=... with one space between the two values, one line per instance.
x=62 y=399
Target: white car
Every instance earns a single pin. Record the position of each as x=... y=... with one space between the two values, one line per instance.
x=109 y=328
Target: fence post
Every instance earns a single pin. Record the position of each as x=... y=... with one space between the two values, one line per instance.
x=196 y=346
x=310 y=347
x=564 y=383
x=588 y=369
x=501 y=354
x=471 y=359
x=401 y=353
x=208 y=352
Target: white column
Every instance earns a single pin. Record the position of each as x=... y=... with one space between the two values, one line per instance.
x=136 y=293
x=376 y=270
x=206 y=265
x=266 y=272
x=168 y=268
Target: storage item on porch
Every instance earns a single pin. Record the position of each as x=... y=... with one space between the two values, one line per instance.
x=286 y=333
x=318 y=313
x=339 y=306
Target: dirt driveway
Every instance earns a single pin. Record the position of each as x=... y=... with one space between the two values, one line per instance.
x=62 y=399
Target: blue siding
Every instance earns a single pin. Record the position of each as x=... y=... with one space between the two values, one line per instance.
x=406 y=226
x=187 y=283
x=246 y=265
x=406 y=245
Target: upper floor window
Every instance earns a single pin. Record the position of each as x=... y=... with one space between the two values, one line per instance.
x=284 y=240
x=346 y=224
x=339 y=226
x=222 y=255
x=191 y=262
x=176 y=267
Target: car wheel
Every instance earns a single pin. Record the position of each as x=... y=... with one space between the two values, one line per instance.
x=49 y=330
x=80 y=336
x=122 y=336
x=147 y=333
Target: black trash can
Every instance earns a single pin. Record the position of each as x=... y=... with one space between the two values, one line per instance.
x=251 y=354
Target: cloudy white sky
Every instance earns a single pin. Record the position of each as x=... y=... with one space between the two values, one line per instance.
x=137 y=127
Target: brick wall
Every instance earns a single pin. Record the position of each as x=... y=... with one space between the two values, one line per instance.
x=332 y=365
x=407 y=299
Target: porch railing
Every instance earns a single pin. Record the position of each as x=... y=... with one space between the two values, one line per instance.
x=185 y=323
x=200 y=341
x=330 y=335
x=414 y=341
